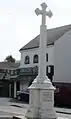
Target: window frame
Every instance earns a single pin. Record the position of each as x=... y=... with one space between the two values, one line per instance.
x=46 y=57
x=35 y=57
x=27 y=60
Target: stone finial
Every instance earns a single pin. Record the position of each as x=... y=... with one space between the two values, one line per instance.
x=44 y=6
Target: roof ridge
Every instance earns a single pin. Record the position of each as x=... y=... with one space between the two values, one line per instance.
x=56 y=32
x=59 y=27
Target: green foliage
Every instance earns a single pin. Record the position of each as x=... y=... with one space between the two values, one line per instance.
x=9 y=59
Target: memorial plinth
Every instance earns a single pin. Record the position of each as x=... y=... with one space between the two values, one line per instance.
x=41 y=102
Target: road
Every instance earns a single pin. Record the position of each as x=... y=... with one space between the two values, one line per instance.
x=8 y=108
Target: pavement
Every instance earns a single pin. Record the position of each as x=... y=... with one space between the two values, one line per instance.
x=9 y=108
x=63 y=110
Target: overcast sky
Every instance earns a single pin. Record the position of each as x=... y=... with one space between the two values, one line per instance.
x=19 y=23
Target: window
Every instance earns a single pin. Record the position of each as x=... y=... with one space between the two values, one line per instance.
x=9 y=71
x=12 y=72
x=35 y=59
x=46 y=57
x=51 y=69
x=27 y=60
x=15 y=72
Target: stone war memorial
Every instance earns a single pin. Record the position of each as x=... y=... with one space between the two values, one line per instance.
x=41 y=102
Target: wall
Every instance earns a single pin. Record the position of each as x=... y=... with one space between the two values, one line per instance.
x=23 y=85
x=32 y=52
x=62 y=57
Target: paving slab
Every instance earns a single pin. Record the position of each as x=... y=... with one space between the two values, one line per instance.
x=63 y=110
x=9 y=109
x=22 y=117
x=6 y=117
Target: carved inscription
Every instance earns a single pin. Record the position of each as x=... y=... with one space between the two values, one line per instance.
x=47 y=96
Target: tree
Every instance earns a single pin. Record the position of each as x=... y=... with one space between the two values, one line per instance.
x=9 y=59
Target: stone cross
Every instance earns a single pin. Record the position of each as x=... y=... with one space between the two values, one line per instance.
x=43 y=41
x=41 y=91
x=43 y=12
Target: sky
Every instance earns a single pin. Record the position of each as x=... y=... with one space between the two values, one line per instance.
x=19 y=23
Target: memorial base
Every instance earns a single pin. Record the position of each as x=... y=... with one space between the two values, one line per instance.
x=41 y=103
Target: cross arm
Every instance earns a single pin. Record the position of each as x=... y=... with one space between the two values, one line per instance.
x=49 y=13
x=38 y=11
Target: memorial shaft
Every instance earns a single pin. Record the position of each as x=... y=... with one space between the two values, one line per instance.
x=42 y=50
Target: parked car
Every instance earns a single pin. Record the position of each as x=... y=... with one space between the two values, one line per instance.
x=23 y=95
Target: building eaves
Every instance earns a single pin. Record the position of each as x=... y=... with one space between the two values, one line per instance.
x=52 y=35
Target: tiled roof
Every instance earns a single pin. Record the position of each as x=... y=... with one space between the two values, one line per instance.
x=52 y=35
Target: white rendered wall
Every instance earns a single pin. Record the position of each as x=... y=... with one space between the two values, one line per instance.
x=32 y=52
x=62 y=55
x=23 y=85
